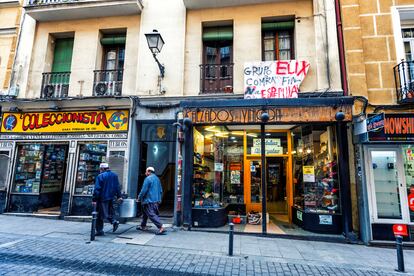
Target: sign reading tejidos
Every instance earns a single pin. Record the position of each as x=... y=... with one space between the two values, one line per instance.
x=245 y=115
x=66 y=122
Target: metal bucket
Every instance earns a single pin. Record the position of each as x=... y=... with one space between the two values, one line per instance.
x=128 y=208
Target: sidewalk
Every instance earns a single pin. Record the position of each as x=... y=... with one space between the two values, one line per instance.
x=44 y=241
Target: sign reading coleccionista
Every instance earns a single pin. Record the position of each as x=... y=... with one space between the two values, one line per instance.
x=70 y=121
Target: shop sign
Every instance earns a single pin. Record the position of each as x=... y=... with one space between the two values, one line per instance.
x=400 y=230
x=325 y=219
x=395 y=127
x=375 y=123
x=308 y=174
x=6 y=144
x=272 y=146
x=251 y=115
x=68 y=121
x=118 y=144
x=411 y=202
x=274 y=79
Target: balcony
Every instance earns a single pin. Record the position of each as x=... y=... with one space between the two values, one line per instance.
x=216 y=78
x=206 y=4
x=404 y=82
x=55 y=85
x=60 y=10
x=107 y=82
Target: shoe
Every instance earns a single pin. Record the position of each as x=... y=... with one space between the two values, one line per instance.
x=115 y=226
x=100 y=233
x=142 y=228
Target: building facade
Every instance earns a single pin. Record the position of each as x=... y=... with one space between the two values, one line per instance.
x=378 y=46
x=245 y=112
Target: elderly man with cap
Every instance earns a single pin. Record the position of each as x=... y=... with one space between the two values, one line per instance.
x=150 y=198
x=107 y=189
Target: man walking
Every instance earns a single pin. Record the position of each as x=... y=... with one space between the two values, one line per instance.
x=150 y=198
x=107 y=189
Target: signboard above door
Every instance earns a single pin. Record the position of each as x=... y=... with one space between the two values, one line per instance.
x=390 y=127
x=274 y=79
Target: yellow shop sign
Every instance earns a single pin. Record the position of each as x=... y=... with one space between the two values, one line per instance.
x=70 y=121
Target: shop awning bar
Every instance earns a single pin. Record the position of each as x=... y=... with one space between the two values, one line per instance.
x=335 y=101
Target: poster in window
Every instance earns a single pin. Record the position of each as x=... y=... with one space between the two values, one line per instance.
x=308 y=174
x=235 y=177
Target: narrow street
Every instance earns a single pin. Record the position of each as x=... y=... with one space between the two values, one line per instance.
x=34 y=246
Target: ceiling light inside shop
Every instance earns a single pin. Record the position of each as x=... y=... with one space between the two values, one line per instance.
x=240 y=133
x=268 y=134
x=300 y=150
x=294 y=152
x=232 y=137
x=252 y=134
x=308 y=151
x=213 y=129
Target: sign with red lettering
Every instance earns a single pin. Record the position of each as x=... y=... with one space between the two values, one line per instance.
x=400 y=230
x=393 y=127
x=67 y=121
x=411 y=201
x=274 y=79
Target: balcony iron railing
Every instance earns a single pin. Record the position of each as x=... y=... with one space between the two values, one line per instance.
x=107 y=82
x=404 y=81
x=216 y=78
x=55 y=85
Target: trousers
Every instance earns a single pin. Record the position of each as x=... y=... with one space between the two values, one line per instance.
x=150 y=210
x=105 y=213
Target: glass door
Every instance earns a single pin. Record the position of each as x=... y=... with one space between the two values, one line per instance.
x=386 y=185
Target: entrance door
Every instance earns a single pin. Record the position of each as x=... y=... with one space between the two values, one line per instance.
x=386 y=185
x=275 y=185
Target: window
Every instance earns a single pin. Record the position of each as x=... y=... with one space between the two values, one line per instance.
x=278 y=40
x=4 y=163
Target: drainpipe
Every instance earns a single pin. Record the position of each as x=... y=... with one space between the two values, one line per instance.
x=341 y=47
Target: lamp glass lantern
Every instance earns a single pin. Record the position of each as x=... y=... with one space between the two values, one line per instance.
x=155 y=41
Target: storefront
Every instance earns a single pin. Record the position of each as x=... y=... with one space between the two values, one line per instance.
x=54 y=157
x=387 y=158
x=302 y=176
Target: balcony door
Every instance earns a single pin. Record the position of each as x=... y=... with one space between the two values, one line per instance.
x=217 y=67
x=56 y=84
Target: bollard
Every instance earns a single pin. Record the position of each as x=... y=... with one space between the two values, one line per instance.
x=231 y=232
x=400 y=254
x=93 y=226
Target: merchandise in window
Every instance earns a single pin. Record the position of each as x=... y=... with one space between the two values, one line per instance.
x=90 y=156
x=316 y=183
x=218 y=167
x=408 y=157
x=4 y=164
x=40 y=168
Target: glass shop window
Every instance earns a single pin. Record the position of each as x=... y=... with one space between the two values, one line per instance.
x=40 y=168
x=315 y=170
x=90 y=156
x=408 y=158
x=4 y=164
x=218 y=167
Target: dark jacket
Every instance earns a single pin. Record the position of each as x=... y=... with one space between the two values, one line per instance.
x=151 y=191
x=106 y=187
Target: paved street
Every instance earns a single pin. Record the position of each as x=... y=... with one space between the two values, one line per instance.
x=33 y=246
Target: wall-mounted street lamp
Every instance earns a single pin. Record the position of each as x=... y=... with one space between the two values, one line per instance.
x=155 y=43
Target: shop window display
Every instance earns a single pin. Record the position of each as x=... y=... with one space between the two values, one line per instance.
x=408 y=157
x=90 y=156
x=218 y=167
x=316 y=184
x=40 y=168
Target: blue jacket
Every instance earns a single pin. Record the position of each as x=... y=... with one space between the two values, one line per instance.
x=151 y=191
x=106 y=187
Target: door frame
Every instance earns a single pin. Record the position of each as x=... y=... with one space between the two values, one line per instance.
x=289 y=172
x=401 y=182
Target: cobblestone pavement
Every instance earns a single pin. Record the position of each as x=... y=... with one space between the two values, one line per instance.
x=31 y=255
